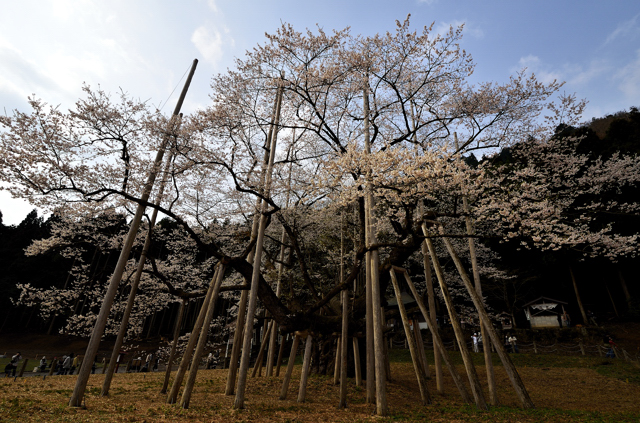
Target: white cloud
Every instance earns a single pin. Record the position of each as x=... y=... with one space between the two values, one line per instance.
x=428 y=2
x=443 y=28
x=213 y=6
x=543 y=72
x=210 y=44
x=629 y=79
x=624 y=29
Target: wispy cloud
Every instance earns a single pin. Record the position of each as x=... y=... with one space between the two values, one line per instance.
x=571 y=73
x=625 y=29
x=469 y=29
x=427 y=2
x=210 y=44
x=628 y=79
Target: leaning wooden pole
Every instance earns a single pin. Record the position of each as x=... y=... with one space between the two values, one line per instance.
x=186 y=357
x=202 y=340
x=174 y=346
x=343 y=350
x=287 y=374
x=486 y=341
x=255 y=277
x=413 y=348
x=101 y=322
x=509 y=368
x=306 y=366
x=437 y=341
x=263 y=346
x=476 y=389
x=124 y=324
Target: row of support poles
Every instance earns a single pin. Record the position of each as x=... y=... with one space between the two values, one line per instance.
x=510 y=369
x=418 y=364
x=476 y=389
x=186 y=357
x=124 y=324
x=375 y=349
x=77 y=395
x=238 y=335
x=486 y=341
x=204 y=335
x=174 y=346
x=253 y=294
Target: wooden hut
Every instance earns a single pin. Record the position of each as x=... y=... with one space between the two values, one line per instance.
x=544 y=312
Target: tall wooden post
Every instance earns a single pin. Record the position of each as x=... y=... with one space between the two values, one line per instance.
x=437 y=359
x=378 y=337
x=124 y=324
x=356 y=360
x=343 y=351
x=94 y=342
x=253 y=294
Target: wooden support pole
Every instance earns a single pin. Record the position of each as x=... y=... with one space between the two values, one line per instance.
x=336 y=366
x=476 y=389
x=437 y=359
x=306 y=365
x=413 y=348
x=174 y=346
x=253 y=293
x=54 y=364
x=204 y=335
x=287 y=375
x=356 y=359
x=437 y=342
x=344 y=342
x=509 y=368
x=265 y=341
x=280 y=354
x=24 y=366
x=186 y=357
x=237 y=342
x=77 y=395
x=420 y=345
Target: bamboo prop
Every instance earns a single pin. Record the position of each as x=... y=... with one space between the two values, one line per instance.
x=287 y=375
x=265 y=341
x=174 y=346
x=374 y=285
x=134 y=286
x=94 y=342
x=305 y=369
x=356 y=359
x=202 y=341
x=186 y=357
x=413 y=349
x=336 y=367
x=280 y=354
x=253 y=294
x=343 y=351
x=509 y=368
x=476 y=389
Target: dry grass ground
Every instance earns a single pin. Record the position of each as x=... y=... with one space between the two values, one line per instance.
x=561 y=393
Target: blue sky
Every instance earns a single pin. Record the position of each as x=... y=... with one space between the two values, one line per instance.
x=51 y=47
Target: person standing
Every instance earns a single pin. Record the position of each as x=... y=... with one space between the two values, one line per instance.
x=474 y=339
x=66 y=364
x=74 y=364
